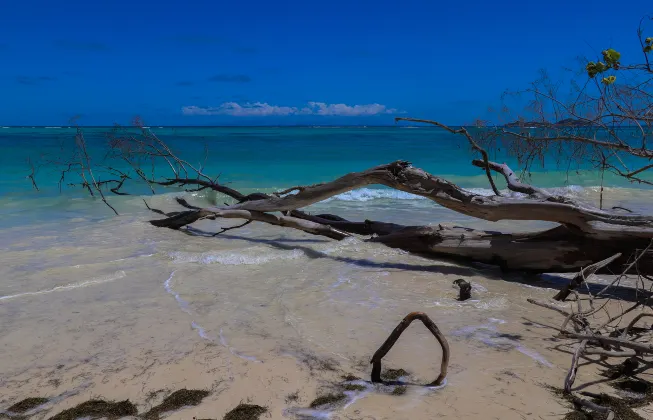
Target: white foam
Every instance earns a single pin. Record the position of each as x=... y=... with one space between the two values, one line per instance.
x=307 y=413
x=181 y=302
x=533 y=355
x=223 y=341
x=478 y=288
x=105 y=279
x=490 y=304
x=341 y=279
x=235 y=258
x=423 y=390
x=569 y=191
x=490 y=336
x=368 y=194
x=352 y=397
x=530 y=286
x=494 y=303
x=201 y=331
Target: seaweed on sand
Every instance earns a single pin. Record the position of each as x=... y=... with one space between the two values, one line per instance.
x=175 y=401
x=353 y=387
x=245 y=412
x=320 y=364
x=577 y=415
x=328 y=399
x=620 y=407
x=27 y=404
x=95 y=409
x=399 y=390
x=394 y=374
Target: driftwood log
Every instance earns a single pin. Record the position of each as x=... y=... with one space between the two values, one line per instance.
x=584 y=236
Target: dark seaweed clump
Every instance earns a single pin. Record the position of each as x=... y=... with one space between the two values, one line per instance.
x=327 y=399
x=245 y=412
x=577 y=415
x=96 y=409
x=175 y=401
x=393 y=374
x=399 y=390
x=27 y=404
x=292 y=397
x=353 y=387
x=620 y=407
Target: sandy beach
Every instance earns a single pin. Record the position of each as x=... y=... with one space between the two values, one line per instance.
x=120 y=310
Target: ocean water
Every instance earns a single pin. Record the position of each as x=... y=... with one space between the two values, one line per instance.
x=266 y=159
x=105 y=295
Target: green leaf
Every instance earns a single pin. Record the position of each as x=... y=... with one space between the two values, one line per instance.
x=611 y=57
x=595 y=68
x=648 y=40
x=609 y=80
x=648 y=48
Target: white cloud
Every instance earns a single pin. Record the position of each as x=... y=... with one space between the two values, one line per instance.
x=261 y=109
x=256 y=109
x=320 y=108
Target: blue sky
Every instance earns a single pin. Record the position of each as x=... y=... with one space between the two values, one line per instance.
x=288 y=62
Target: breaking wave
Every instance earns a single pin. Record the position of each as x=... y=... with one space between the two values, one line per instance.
x=368 y=194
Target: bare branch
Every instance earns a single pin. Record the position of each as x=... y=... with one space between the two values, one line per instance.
x=583 y=275
x=188 y=217
x=571 y=375
x=464 y=132
x=514 y=184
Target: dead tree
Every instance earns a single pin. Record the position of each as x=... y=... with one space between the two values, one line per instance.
x=600 y=328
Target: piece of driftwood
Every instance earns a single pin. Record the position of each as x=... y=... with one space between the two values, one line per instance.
x=583 y=275
x=598 y=329
x=394 y=336
x=585 y=235
x=465 y=289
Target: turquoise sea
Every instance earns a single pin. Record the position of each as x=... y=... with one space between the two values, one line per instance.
x=275 y=157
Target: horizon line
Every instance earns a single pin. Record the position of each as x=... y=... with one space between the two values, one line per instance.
x=224 y=126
